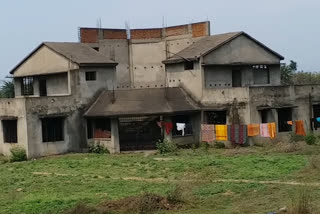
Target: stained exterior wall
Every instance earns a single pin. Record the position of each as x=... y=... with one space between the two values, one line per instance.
x=44 y=61
x=240 y=50
x=14 y=108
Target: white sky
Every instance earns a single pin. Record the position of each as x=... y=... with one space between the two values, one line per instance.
x=290 y=27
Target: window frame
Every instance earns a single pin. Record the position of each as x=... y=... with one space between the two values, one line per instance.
x=91 y=75
x=51 y=132
x=10 y=131
x=27 y=84
x=259 y=68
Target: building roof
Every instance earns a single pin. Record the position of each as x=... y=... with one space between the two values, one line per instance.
x=209 y=44
x=133 y=102
x=79 y=53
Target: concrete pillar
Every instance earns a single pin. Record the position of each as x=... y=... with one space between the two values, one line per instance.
x=115 y=142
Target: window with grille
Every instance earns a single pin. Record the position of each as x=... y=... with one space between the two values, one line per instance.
x=91 y=76
x=27 y=86
x=9 y=128
x=52 y=129
x=261 y=74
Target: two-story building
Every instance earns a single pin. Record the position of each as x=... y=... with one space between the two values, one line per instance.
x=116 y=88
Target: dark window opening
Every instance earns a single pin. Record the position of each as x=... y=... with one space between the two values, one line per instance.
x=217 y=117
x=266 y=116
x=261 y=74
x=182 y=119
x=99 y=128
x=91 y=76
x=316 y=114
x=284 y=115
x=52 y=129
x=27 y=86
x=96 y=48
x=43 y=87
x=236 y=78
x=9 y=128
x=188 y=65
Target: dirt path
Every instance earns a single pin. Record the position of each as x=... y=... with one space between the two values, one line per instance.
x=163 y=180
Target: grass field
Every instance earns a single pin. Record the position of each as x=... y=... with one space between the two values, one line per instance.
x=243 y=180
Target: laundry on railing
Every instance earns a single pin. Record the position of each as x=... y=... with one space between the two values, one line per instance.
x=264 y=130
x=299 y=128
x=208 y=133
x=237 y=134
x=181 y=127
x=253 y=130
x=272 y=130
x=221 y=132
x=167 y=125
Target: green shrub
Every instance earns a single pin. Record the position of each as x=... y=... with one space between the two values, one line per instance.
x=98 y=149
x=166 y=146
x=204 y=146
x=296 y=138
x=18 y=154
x=219 y=145
x=310 y=139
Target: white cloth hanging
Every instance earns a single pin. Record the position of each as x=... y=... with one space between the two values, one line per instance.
x=181 y=127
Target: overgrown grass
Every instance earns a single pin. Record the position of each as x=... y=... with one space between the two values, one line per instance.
x=56 y=184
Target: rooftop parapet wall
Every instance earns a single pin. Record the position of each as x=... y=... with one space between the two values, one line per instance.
x=92 y=35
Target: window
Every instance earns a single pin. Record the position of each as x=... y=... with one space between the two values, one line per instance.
x=43 y=87
x=99 y=128
x=96 y=48
x=266 y=116
x=284 y=115
x=91 y=76
x=27 y=86
x=52 y=129
x=316 y=114
x=261 y=74
x=9 y=128
x=236 y=78
x=182 y=119
x=188 y=65
x=217 y=117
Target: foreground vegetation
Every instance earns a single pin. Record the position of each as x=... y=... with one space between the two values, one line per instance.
x=204 y=180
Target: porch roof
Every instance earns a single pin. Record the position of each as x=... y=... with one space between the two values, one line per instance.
x=151 y=101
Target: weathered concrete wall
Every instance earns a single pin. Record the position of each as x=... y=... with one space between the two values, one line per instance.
x=218 y=77
x=57 y=84
x=118 y=50
x=14 y=108
x=85 y=90
x=241 y=50
x=44 y=61
x=190 y=80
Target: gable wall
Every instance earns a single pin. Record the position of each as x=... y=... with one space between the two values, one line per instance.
x=241 y=50
x=44 y=61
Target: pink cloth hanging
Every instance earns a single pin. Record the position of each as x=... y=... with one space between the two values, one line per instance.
x=264 y=130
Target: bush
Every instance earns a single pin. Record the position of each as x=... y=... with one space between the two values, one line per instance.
x=98 y=149
x=166 y=146
x=310 y=139
x=18 y=154
x=204 y=146
x=302 y=202
x=219 y=145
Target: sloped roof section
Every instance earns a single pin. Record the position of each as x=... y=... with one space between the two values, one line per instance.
x=142 y=102
x=79 y=53
x=209 y=44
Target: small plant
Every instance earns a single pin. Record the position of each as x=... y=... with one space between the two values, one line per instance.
x=98 y=149
x=310 y=139
x=18 y=154
x=166 y=146
x=302 y=202
x=296 y=138
x=180 y=194
x=204 y=146
x=219 y=145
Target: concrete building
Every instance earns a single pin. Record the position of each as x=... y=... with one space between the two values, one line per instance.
x=114 y=86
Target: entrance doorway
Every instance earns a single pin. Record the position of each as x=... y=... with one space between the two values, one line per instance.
x=139 y=133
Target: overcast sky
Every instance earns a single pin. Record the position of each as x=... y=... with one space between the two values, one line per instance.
x=290 y=27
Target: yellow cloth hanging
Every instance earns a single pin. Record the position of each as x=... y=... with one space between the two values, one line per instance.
x=221 y=132
x=253 y=130
x=272 y=130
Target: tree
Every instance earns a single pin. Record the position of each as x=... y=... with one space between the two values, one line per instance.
x=287 y=72
x=7 y=89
